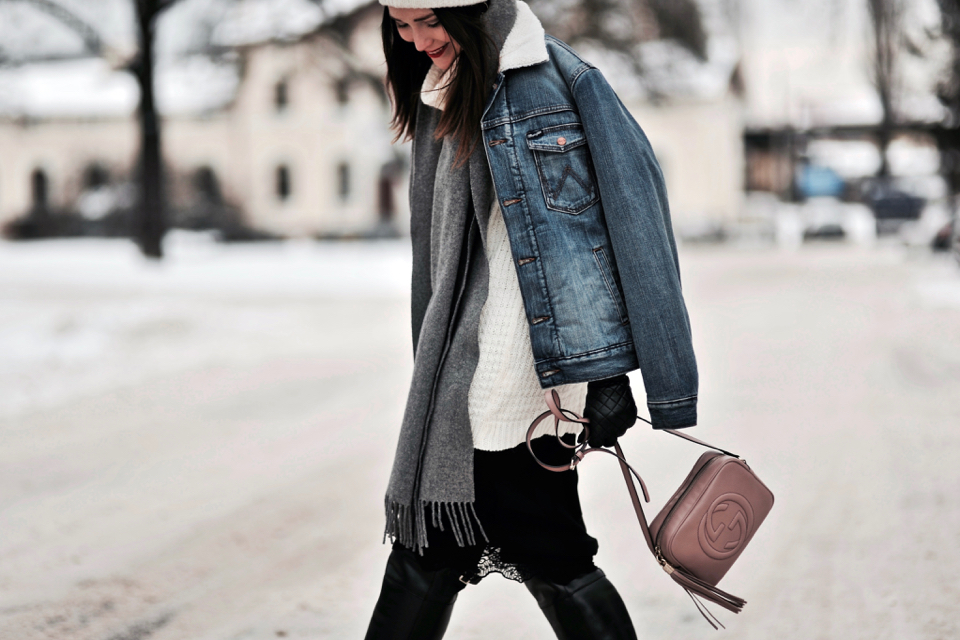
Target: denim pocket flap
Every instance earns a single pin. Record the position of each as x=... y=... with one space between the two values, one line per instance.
x=557 y=139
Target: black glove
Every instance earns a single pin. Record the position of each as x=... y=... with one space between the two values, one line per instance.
x=610 y=408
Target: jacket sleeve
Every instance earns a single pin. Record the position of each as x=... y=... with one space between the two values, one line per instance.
x=634 y=199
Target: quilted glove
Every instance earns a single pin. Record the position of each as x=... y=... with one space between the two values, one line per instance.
x=610 y=408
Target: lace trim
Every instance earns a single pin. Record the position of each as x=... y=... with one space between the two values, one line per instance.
x=491 y=562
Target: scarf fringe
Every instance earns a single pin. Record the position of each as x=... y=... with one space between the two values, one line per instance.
x=408 y=525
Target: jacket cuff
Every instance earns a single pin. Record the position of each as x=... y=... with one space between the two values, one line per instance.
x=675 y=414
x=616 y=381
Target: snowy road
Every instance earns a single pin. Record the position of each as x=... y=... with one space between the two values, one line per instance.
x=197 y=450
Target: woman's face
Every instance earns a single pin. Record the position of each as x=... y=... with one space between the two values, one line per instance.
x=421 y=27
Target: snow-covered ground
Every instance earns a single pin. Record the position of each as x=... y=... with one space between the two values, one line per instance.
x=80 y=316
x=198 y=449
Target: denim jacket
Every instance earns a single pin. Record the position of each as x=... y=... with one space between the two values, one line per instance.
x=585 y=207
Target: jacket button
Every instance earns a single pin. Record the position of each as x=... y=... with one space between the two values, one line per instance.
x=561 y=141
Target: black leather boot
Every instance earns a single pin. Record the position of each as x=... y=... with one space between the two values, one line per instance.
x=414 y=604
x=587 y=608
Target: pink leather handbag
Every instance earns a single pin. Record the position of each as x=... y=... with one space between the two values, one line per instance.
x=703 y=528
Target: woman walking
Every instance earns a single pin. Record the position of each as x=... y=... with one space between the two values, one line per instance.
x=543 y=257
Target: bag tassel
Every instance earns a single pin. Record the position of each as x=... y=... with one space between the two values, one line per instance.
x=706 y=613
x=708 y=592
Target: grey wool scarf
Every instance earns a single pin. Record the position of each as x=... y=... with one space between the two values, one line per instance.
x=450 y=206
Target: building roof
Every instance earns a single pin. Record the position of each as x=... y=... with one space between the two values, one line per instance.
x=90 y=88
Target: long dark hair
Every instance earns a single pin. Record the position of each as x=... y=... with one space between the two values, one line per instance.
x=468 y=88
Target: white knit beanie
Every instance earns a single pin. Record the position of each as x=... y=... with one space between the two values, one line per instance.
x=428 y=4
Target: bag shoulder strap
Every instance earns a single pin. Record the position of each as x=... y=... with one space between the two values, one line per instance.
x=683 y=435
x=680 y=434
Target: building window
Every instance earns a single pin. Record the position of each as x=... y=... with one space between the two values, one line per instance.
x=95 y=176
x=283 y=182
x=343 y=181
x=207 y=186
x=385 y=198
x=281 y=97
x=39 y=189
x=342 y=89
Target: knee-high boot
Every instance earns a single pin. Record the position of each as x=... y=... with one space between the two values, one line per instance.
x=587 y=608
x=414 y=604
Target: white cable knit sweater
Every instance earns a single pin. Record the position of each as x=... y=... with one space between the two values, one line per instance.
x=505 y=394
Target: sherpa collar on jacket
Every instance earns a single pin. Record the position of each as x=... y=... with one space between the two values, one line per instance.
x=524 y=47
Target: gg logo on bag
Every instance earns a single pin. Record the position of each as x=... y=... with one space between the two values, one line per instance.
x=725 y=526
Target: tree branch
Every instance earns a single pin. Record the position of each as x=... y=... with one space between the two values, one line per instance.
x=163 y=5
x=619 y=25
x=91 y=38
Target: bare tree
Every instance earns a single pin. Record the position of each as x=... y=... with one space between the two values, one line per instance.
x=948 y=92
x=680 y=20
x=886 y=21
x=620 y=25
x=150 y=224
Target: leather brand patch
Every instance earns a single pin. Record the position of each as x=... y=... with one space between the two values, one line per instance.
x=725 y=526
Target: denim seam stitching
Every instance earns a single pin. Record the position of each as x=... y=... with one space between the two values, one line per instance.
x=586 y=353
x=603 y=274
x=677 y=401
x=511 y=119
x=548 y=195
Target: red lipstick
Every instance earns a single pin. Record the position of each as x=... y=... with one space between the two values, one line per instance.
x=438 y=52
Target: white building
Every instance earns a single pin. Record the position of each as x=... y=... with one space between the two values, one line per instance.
x=295 y=132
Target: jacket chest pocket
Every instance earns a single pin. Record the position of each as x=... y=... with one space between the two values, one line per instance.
x=564 y=167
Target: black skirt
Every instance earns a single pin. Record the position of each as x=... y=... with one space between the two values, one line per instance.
x=531 y=517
